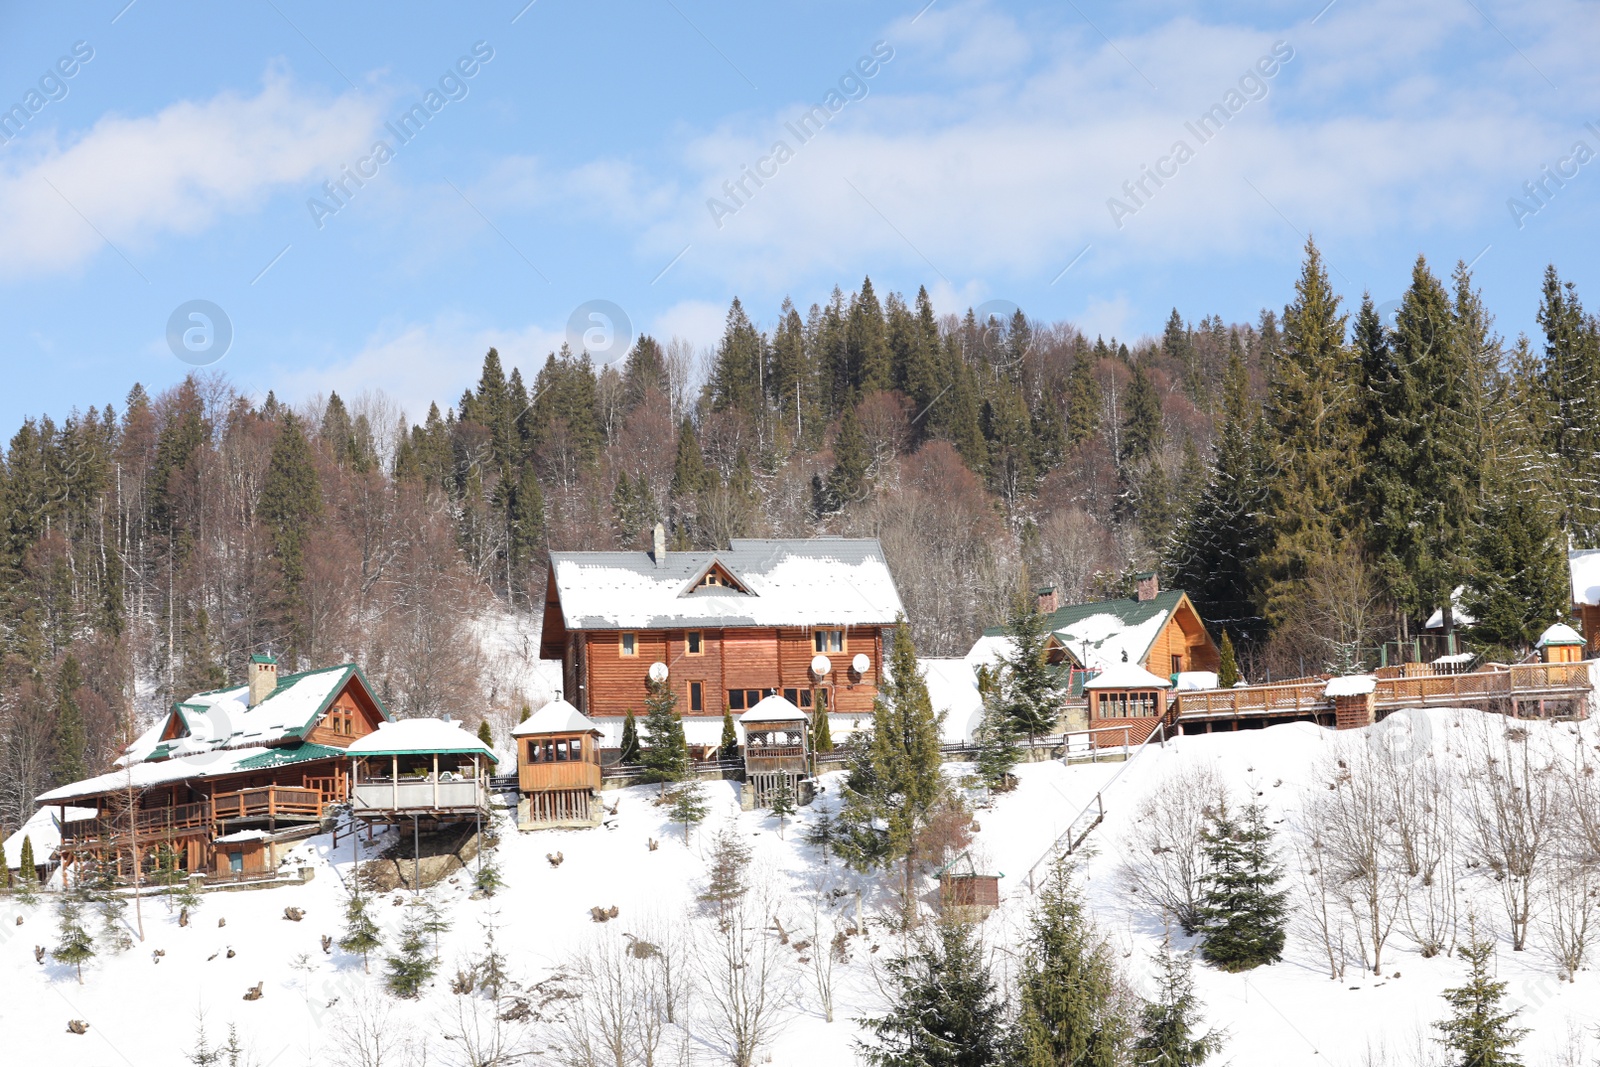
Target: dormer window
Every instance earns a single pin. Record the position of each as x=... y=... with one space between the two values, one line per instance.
x=716 y=576
x=693 y=643
x=709 y=578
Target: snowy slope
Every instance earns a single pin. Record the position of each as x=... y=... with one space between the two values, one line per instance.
x=142 y=1012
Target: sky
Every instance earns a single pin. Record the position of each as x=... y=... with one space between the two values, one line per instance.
x=366 y=197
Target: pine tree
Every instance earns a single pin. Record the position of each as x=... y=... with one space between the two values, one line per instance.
x=1031 y=690
x=689 y=479
x=1067 y=1015
x=1520 y=584
x=1141 y=418
x=847 y=481
x=821 y=732
x=728 y=749
x=526 y=530
x=76 y=947
x=666 y=753
x=728 y=878
x=1083 y=396
x=361 y=934
x=783 y=803
x=1228 y=668
x=1167 y=1024
x=998 y=751
x=1572 y=376
x=1479 y=1030
x=70 y=742
x=946 y=1011
x=485 y=734
x=688 y=806
x=1242 y=912
x=411 y=967
x=629 y=753
x=291 y=498
x=736 y=374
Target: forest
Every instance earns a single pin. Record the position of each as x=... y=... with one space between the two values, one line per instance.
x=1319 y=480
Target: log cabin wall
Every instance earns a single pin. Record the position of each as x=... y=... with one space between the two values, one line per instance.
x=1184 y=637
x=352 y=714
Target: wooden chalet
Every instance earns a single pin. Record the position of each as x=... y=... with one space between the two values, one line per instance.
x=226 y=775
x=429 y=769
x=1584 y=565
x=806 y=619
x=776 y=749
x=558 y=768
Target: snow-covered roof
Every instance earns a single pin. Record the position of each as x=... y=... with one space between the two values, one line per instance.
x=1560 y=634
x=556 y=717
x=1100 y=641
x=243 y=835
x=410 y=737
x=145 y=775
x=1126 y=676
x=1584 y=563
x=1456 y=657
x=1351 y=685
x=1458 y=617
x=953 y=689
x=43 y=831
x=1191 y=681
x=774 y=708
x=988 y=650
x=811 y=582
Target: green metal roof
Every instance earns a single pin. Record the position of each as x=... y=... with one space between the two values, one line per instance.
x=280 y=757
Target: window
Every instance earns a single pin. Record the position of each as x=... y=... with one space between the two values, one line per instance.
x=1177 y=664
x=710 y=578
x=693 y=643
x=1127 y=705
x=697 y=696
x=736 y=700
x=828 y=640
x=630 y=644
x=800 y=698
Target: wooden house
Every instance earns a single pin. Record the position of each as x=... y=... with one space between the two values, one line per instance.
x=1584 y=565
x=776 y=750
x=267 y=756
x=1561 y=644
x=558 y=768
x=428 y=769
x=806 y=619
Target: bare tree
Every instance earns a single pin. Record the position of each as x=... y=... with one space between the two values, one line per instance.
x=1513 y=801
x=1421 y=797
x=829 y=946
x=371 y=1034
x=1163 y=858
x=1356 y=819
x=1568 y=914
x=743 y=975
x=1321 y=918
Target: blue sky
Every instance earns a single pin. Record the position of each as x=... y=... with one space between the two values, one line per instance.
x=978 y=155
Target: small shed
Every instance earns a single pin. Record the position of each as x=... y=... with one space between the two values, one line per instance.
x=432 y=768
x=1353 y=700
x=776 y=747
x=1561 y=644
x=558 y=768
x=967 y=894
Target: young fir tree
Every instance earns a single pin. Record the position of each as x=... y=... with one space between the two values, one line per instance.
x=361 y=933
x=411 y=966
x=1168 y=1024
x=728 y=879
x=1228 y=663
x=1479 y=1029
x=688 y=806
x=434 y=921
x=666 y=753
x=821 y=735
x=27 y=883
x=1067 y=1016
x=1242 y=911
x=1031 y=692
x=728 y=749
x=946 y=1011
x=630 y=740
x=485 y=734
x=820 y=833
x=783 y=803
x=76 y=947
x=998 y=751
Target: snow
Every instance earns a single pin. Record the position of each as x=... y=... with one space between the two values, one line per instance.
x=1584 y=563
x=953 y=690
x=988 y=650
x=556 y=717
x=145 y=775
x=1458 y=657
x=1286 y=1015
x=1126 y=676
x=244 y=835
x=43 y=831
x=1104 y=640
x=1192 y=681
x=1352 y=685
x=1458 y=617
x=412 y=736
x=774 y=708
x=1560 y=634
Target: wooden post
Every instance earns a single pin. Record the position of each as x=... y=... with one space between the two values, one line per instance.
x=436 y=781
x=394 y=783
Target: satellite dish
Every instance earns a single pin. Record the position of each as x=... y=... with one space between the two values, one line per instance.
x=820 y=665
x=861 y=663
x=658 y=672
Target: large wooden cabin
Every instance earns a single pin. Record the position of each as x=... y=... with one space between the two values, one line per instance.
x=225 y=773
x=727 y=627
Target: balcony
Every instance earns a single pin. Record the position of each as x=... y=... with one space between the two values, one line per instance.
x=268 y=802
x=418 y=795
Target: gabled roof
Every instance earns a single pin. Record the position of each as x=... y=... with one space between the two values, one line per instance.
x=413 y=737
x=1126 y=676
x=1457 y=616
x=774 y=708
x=1097 y=635
x=1584 y=565
x=803 y=582
x=556 y=717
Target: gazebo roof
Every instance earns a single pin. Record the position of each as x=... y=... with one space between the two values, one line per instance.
x=556 y=717
x=1560 y=634
x=772 y=709
x=412 y=737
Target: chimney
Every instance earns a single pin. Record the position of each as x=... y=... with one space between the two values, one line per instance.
x=263 y=677
x=1048 y=601
x=659 y=545
x=1146 y=586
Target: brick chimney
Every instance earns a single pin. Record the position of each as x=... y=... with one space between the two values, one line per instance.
x=1048 y=601
x=263 y=677
x=659 y=544
x=1146 y=586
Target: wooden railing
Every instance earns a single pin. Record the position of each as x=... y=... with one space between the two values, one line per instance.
x=270 y=801
x=1285 y=699
x=416 y=794
x=559 y=774
x=149 y=822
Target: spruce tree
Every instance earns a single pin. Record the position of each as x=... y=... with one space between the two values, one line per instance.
x=821 y=732
x=1242 y=911
x=70 y=742
x=1066 y=1011
x=629 y=753
x=847 y=481
x=1479 y=1030
x=411 y=966
x=1083 y=396
x=666 y=753
x=687 y=806
x=998 y=751
x=1520 y=583
x=1572 y=378
x=783 y=803
x=1168 y=1024
x=728 y=879
x=361 y=934
x=27 y=882
x=291 y=499
x=1141 y=418
x=1228 y=664
x=5 y=870
x=946 y=1011
x=728 y=748
x=485 y=734
x=75 y=947
x=1031 y=690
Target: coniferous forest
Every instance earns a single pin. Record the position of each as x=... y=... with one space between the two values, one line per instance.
x=1320 y=480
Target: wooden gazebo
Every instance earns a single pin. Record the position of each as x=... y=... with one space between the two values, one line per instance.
x=1125 y=695
x=428 y=768
x=775 y=748
x=558 y=768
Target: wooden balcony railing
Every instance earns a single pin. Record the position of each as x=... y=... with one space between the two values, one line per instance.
x=578 y=774
x=419 y=795
x=268 y=801
x=151 y=823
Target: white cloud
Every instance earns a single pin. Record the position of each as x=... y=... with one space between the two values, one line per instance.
x=700 y=322
x=176 y=171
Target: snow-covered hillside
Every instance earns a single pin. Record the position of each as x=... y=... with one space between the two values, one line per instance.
x=142 y=1008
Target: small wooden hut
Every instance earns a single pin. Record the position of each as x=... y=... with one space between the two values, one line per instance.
x=558 y=768
x=776 y=749
x=431 y=769
x=967 y=894
x=1561 y=644
x=1126 y=695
